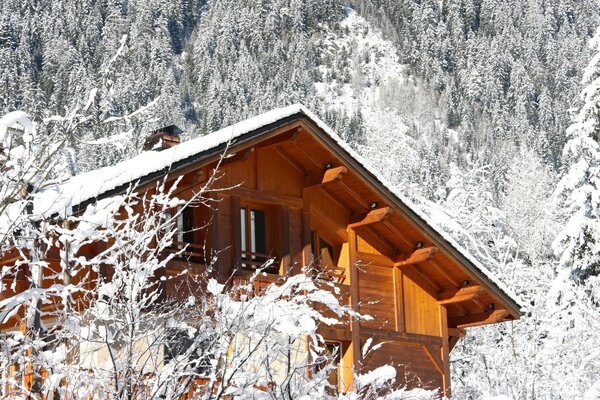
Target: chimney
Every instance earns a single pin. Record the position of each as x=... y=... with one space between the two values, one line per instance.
x=163 y=138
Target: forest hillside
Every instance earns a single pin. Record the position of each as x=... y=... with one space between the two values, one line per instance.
x=483 y=112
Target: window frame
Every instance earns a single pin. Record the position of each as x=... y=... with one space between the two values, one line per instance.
x=245 y=239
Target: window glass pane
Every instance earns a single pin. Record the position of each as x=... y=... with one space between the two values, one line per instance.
x=243 y=231
x=258 y=231
x=188 y=225
x=179 y=229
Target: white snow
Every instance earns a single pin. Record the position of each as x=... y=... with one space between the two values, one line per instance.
x=60 y=198
x=16 y=118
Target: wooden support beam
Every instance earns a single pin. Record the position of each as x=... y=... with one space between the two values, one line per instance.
x=414 y=273
x=404 y=337
x=399 y=235
x=284 y=229
x=399 y=299
x=308 y=156
x=288 y=137
x=455 y=282
x=329 y=177
x=372 y=217
x=435 y=359
x=377 y=240
x=456 y=332
x=489 y=317
x=236 y=236
x=354 y=300
x=445 y=350
x=359 y=199
x=460 y=295
x=334 y=174
x=323 y=221
x=452 y=341
x=419 y=255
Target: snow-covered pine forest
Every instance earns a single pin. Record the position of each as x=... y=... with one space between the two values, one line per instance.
x=484 y=112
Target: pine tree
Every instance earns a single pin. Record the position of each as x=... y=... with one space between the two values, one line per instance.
x=578 y=193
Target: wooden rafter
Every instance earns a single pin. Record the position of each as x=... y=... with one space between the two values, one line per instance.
x=378 y=241
x=291 y=160
x=442 y=271
x=287 y=137
x=360 y=200
x=241 y=155
x=460 y=295
x=372 y=217
x=419 y=255
x=488 y=317
x=334 y=174
x=414 y=273
x=308 y=156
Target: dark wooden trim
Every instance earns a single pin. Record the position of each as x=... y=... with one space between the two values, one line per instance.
x=452 y=342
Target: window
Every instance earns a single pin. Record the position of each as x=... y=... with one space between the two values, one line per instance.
x=188 y=235
x=254 y=239
x=257 y=244
x=185 y=227
x=325 y=258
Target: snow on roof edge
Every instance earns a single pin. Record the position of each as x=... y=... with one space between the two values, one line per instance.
x=60 y=198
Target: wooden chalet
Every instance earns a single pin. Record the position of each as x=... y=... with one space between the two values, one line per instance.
x=297 y=193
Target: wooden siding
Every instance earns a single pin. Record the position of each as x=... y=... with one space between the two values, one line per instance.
x=413 y=365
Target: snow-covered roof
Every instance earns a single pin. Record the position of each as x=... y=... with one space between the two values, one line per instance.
x=91 y=185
